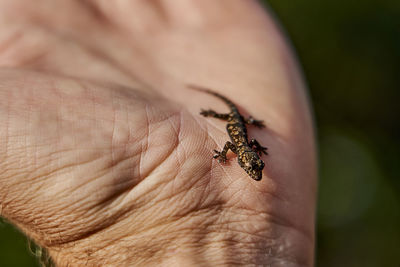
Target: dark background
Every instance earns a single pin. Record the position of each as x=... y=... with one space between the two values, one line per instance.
x=350 y=52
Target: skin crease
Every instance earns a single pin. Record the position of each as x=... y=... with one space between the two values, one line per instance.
x=104 y=157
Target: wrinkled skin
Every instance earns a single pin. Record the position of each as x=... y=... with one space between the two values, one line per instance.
x=105 y=160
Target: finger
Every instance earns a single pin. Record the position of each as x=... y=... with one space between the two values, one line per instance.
x=142 y=16
x=62 y=37
x=41 y=50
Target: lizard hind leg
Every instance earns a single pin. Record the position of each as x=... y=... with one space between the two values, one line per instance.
x=221 y=156
x=212 y=113
x=258 y=123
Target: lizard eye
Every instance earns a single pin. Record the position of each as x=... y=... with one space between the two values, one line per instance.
x=257 y=165
x=254 y=165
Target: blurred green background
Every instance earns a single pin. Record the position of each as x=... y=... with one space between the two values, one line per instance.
x=350 y=52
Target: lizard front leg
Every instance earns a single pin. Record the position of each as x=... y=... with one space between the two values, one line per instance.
x=222 y=155
x=251 y=121
x=255 y=145
x=212 y=113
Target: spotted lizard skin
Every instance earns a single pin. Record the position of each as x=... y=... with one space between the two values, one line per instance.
x=248 y=152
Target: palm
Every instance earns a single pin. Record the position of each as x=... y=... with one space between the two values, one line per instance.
x=112 y=136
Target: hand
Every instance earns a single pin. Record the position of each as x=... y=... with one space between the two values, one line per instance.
x=105 y=159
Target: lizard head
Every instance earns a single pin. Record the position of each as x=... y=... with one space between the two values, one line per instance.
x=252 y=164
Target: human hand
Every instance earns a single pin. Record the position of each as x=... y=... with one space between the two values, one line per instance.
x=105 y=159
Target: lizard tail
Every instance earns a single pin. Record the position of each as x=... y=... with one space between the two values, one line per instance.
x=211 y=92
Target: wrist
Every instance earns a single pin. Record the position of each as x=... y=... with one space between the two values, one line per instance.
x=198 y=243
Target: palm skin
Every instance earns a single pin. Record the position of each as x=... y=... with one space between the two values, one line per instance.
x=105 y=158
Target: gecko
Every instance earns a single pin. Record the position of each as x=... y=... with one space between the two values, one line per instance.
x=248 y=152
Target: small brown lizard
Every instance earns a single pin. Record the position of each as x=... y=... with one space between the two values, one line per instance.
x=248 y=152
